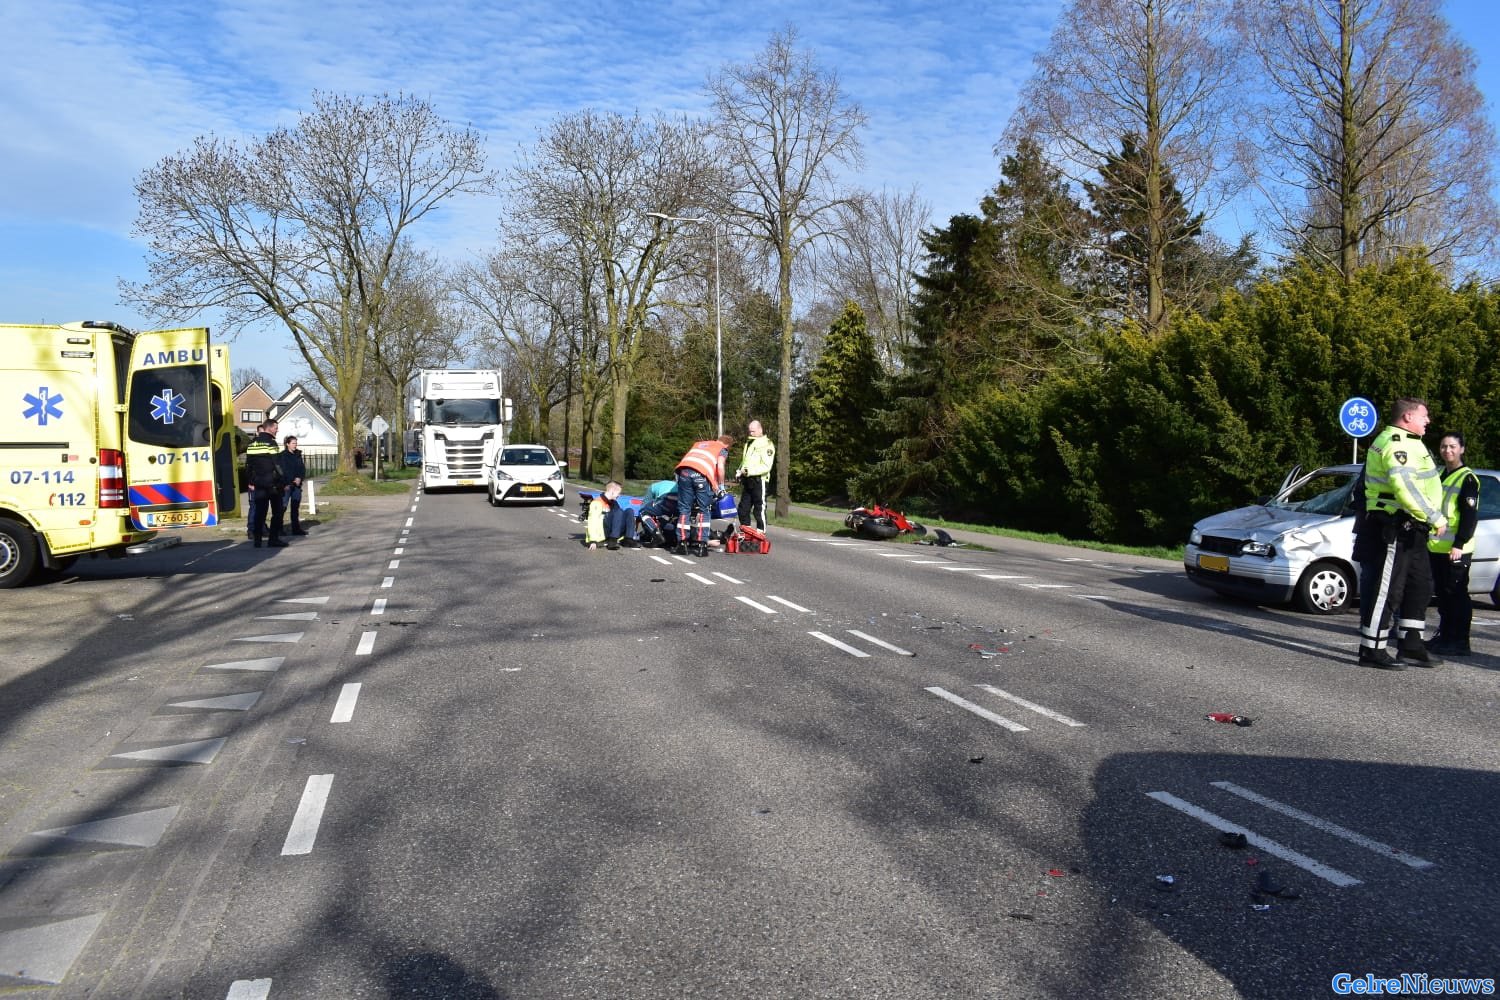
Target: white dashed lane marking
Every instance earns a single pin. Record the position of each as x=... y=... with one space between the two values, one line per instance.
x=366 y=644
x=388 y=582
x=304 y=829
x=756 y=605
x=1326 y=872
x=852 y=651
x=978 y=710
x=787 y=603
x=343 y=710
x=879 y=642
x=727 y=577
x=1384 y=850
x=703 y=579
x=1033 y=706
x=249 y=989
x=378 y=608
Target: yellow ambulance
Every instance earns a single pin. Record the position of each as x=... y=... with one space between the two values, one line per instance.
x=105 y=436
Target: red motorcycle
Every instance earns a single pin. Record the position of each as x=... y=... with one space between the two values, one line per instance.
x=875 y=521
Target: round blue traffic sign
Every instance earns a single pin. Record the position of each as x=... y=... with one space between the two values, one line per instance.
x=1357 y=416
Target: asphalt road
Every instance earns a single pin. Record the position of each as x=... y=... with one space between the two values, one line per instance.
x=440 y=750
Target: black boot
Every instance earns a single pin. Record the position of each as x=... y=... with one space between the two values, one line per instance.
x=1379 y=659
x=1414 y=651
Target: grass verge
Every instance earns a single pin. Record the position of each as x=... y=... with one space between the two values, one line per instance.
x=359 y=485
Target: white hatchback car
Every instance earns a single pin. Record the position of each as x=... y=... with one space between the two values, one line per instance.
x=526 y=472
x=1297 y=546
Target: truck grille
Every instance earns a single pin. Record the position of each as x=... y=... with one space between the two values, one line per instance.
x=465 y=458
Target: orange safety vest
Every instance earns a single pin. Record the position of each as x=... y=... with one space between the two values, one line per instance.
x=706 y=457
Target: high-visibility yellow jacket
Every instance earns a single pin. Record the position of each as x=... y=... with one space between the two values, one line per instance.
x=759 y=456
x=1460 y=510
x=1400 y=475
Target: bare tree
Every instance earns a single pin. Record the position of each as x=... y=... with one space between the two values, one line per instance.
x=302 y=226
x=241 y=377
x=587 y=191
x=418 y=328
x=876 y=262
x=531 y=307
x=785 y=125
x=1155 y=73
x=1373 y=136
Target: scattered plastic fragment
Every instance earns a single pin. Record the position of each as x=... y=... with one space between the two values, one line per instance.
x=1020 y=916
x=658 y=579
x=1260 y=907
x=977 y=759
x=1234 y=839
x=1056 y=872
x=1238 y=720
x=1166 y=883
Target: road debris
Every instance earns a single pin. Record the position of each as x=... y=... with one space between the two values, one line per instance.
x=1238 y=720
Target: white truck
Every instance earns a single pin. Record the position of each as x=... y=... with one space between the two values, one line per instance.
x=461 y=415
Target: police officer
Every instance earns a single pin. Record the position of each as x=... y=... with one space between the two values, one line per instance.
x=1403 y=506
x=263 y=469
x=293 y=472
x=755 y=466
x=1452 y=551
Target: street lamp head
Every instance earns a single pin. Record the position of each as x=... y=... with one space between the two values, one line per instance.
x=673 y=218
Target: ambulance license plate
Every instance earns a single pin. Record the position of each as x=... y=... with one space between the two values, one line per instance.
x=176 y=518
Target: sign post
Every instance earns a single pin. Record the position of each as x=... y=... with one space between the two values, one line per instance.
x=378 y=427
x=1357 y=418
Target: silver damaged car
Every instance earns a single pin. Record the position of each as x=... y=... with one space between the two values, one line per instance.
x=1297 y=546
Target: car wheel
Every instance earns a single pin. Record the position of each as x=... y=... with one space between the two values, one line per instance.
x=1325 y=589
x=17 y=553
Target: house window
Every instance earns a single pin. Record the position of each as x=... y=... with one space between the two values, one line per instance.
x=252 y=416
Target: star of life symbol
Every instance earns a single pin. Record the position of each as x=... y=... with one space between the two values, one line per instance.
x=168 y=407
x=42 y=407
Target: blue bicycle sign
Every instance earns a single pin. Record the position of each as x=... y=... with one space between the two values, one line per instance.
x=1358 y=417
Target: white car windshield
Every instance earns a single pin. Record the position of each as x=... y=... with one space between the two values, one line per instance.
x=1321 y=493
x=526 y=456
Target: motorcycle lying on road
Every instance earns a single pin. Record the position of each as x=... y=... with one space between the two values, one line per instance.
x=875 y=521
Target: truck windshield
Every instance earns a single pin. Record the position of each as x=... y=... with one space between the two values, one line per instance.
x=463 y=411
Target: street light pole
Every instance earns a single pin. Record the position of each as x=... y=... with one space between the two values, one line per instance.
x=718 y=316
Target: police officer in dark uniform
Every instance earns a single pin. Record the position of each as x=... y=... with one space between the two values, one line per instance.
x=263 y=470
x=293 y=472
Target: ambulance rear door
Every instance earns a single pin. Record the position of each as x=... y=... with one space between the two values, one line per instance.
x=171 y=430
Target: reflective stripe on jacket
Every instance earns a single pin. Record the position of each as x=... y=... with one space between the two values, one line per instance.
x=706 y=457
x=1400 y=475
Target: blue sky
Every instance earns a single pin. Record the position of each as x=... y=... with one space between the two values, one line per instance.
x=95 y=92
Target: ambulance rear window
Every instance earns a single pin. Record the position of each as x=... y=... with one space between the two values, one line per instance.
x=169 y=407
